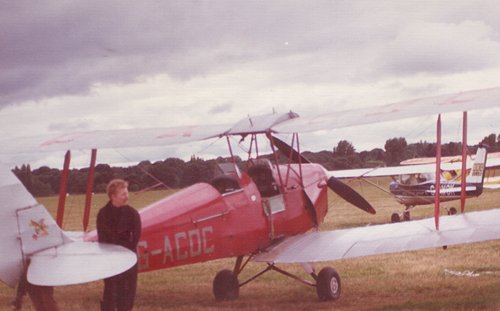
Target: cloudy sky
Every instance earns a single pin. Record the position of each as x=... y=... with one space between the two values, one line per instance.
x=85 y=65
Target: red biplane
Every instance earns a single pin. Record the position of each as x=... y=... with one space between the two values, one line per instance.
x=269 y=211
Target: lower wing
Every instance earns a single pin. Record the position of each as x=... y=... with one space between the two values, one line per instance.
x=388 y=238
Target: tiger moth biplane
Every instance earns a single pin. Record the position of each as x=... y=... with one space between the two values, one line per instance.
x=268 y=212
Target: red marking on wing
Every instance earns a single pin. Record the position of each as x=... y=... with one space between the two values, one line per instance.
x=63 y=139
x=177 y=133
x=379 y=113
x=455 y=100
x=55 y=141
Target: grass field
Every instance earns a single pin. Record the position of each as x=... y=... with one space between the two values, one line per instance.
x=417 y=280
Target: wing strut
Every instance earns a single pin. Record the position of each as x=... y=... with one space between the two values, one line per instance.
x=90 y=188
x=464 y=162
x=438 y=173
x=63 y=187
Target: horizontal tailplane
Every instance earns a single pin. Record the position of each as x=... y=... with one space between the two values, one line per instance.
x=79 y=262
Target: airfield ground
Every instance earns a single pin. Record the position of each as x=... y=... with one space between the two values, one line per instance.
x=460 y=278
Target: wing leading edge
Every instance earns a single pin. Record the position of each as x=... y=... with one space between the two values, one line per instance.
x=388 y=238
x=406 y=169
x=104 y=139
x=463 y=101
x=278 y=123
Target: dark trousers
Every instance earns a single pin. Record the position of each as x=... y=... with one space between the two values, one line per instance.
x=119 y=291
x=42 y=297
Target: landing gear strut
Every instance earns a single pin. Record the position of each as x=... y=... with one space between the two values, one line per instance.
x=226 y=285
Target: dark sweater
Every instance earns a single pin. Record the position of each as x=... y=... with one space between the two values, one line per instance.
x=119 y=225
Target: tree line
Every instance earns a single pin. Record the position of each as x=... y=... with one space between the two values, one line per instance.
x=177 y=173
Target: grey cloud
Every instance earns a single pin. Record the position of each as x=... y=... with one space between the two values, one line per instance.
x=225 y=107
x=425 y=47
x=59 y=48
x=65 y=47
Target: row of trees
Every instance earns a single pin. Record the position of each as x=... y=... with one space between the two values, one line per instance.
x=344 y=155
x=176 y=173
x=170 y=173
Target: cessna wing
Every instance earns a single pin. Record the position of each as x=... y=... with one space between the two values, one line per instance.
x=381 y=239
x=406 y=169
x=493 y=159
x=383 y=171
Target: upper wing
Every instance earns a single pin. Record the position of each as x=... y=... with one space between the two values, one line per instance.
x=112 y=139
x=388 y=238
x=105 y=139
x=463 y=101
x=283 y=123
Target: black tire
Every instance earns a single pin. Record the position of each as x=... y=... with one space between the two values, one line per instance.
x=328 y=284
x=226 y=286
x=452 y=211
x=395 y=217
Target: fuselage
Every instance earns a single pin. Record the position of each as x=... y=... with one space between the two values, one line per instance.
x=424 y=193
x=231 y=217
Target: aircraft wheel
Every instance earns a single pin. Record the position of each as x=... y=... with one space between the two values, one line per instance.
x=452 y=211
x=406 y=216
x=328 y=284
x=226 y=286
x=395 y=217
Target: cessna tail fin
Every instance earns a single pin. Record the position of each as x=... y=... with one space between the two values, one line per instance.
x=28 y=230
x=476 y=175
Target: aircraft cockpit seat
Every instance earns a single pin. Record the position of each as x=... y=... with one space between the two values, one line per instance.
x=225 y=183
x=262 y=175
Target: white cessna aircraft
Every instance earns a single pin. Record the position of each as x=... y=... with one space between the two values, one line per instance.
x=414 y=182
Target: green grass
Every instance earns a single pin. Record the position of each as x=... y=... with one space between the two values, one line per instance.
x=406 y=281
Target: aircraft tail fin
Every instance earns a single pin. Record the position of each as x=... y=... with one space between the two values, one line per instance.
x=476 y=175
x=26 y=227
x=56 y=259
x=28 y=230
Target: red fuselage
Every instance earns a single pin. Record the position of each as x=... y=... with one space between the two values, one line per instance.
x=200 y=223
